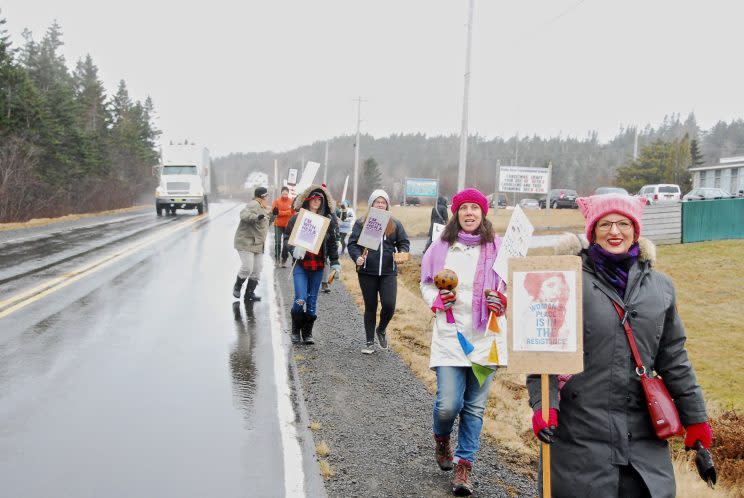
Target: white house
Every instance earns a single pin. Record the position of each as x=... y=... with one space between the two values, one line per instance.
x=728 y=174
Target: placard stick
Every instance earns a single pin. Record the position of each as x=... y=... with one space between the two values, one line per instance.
x=545 y=395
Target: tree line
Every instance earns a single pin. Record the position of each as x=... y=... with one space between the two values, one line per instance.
x=66 y=146
x=666 y=152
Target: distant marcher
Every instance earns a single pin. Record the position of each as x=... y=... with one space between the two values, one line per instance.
x=469 y=247
x=308 y=267
x=282 y=211
x=439 y=215
x=378 y=271
x=601 y=435
x=249 y=242
x=345 y=217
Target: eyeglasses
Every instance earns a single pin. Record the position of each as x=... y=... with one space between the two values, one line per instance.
x=622 y=225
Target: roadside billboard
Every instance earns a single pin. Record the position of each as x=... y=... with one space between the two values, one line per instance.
x=524 y=180
x=421 y=187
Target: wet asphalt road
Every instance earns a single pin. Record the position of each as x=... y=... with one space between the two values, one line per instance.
x=142 y=378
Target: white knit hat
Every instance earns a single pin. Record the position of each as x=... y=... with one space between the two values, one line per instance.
x=379 y=193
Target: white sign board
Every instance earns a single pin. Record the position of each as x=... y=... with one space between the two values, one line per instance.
x=308 y=175
x=515 y=243
x=436 y=231
x=309 y=231
x=292 y=176
x=521 y=179
x=374 y=228
x=343 y=194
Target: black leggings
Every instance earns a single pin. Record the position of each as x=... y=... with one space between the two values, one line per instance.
x=372 y=285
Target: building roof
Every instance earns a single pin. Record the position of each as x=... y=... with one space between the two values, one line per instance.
x=724 y=163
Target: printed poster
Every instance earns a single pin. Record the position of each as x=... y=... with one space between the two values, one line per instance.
x=436 y=231
x=309 y=231
x=515 y=243
x=374 y=228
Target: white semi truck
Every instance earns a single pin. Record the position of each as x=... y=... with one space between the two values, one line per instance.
x=184 y=172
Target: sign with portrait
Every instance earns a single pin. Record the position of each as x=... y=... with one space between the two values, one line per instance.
x=309 y=231
x=545 y=315
x=374 y=226
x=515 y=243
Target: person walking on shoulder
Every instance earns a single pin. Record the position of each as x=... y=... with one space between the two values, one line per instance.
x=308 y=267
x=249 y=242
x=282 y=211
x=378 y=271
x=468 y=246
x=345 y=217
x=602 y=438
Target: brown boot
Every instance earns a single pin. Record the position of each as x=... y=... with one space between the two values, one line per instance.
x=461 y=485
x=443 y=452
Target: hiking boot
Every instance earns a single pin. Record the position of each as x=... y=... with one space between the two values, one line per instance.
x=307 y=329
x=381 y=338
x=324 y=288
x=298 y=319
x=461 y=485
x=443 y=452
x=237 y=287
x=368 y=348
x=249 y=288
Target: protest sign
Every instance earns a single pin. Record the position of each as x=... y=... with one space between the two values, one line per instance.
x=436 y=230
x=292 y=176
x=343 y=193
x=309 y=231
x=515 y=242
x=374 y=226
x=308 y=175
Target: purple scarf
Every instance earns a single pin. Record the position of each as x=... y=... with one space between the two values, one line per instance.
x=614 y=267
x=485 y=277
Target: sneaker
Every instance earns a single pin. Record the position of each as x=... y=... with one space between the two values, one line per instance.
x=368 y=349
x=461 y=485
x=381 y=338
x=324 y=288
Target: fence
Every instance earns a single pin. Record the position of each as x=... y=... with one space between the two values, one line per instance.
x=662 y=223
x=713 y=220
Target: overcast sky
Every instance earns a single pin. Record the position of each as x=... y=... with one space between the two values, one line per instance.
x=272 y=74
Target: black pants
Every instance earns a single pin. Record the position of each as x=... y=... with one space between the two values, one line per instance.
x=280 y=249
x=386 y=287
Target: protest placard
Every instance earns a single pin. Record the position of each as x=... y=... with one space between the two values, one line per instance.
x=309 y=231
x=436 y=230
x=374 y=226
x=308 y=176
x=515 y=243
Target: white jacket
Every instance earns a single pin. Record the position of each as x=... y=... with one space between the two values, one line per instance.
x=445 y=347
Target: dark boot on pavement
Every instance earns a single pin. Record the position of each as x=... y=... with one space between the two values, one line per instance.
x=236 y=288
x=381 y=338
x=461 y=485
x=249 y=288
x=443 y=452
x=307 y=329
x=298 y=320
x=324 y=288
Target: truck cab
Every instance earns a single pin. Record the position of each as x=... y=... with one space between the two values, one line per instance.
x=184 y=179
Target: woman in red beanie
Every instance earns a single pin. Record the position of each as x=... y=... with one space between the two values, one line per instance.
x=460 y=346
x=602 y=437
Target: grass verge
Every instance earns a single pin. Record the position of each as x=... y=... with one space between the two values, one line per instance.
x=38 y=222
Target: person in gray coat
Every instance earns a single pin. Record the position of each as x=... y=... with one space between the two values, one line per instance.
x=602 y=440
x=249 y=242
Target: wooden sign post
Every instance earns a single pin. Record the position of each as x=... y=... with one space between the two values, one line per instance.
x=545 y=324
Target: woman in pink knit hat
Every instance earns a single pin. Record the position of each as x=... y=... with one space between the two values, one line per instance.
x=602 y=437
x=461 y=347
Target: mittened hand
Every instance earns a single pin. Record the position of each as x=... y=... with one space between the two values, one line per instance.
x=496 y=302
x=337 y=267
x=448 y=298
x=298 y=253
x=545 y=431
x=275 y=211
x=698 y=432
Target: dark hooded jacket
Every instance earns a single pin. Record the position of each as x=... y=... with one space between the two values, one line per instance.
x=603 y=421
x=379 y=262
x=327 y=209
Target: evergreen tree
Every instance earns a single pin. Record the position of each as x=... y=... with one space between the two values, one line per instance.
x=371 y=176
x=696 y=157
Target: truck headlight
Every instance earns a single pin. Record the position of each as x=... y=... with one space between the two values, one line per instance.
x=159 y=191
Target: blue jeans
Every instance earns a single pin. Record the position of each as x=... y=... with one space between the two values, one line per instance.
x=458 y=393
x=306 y=285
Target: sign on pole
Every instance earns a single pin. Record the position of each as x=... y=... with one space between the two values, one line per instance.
x=374 y=227
x=292 y=176
x=309 y=231
x=346 y=185
x=308 y=175
x=522 y=179
x=421 y=187
x=515 y=243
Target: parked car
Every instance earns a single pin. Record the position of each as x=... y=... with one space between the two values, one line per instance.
x=561 y=198
x=702 y=194
x=660 y=192
x=529 y=204
x=497 y=200
x=610 y=190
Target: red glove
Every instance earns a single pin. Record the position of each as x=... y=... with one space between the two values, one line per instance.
x=698 y=432
x=496 y=302
x=543 y=431
x=448 y=298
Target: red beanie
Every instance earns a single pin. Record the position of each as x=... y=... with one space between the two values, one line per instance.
x=470 y=195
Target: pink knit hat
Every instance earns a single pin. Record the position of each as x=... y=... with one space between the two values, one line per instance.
x=595 y=207
x=470 y=195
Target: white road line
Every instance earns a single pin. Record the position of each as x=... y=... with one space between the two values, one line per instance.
x=69 y=229
x=294 y=475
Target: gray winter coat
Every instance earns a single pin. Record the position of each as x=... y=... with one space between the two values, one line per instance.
x=603 y=421
x=251 y=233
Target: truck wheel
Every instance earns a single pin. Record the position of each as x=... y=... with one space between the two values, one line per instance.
x=159 y=210
x=200 y=208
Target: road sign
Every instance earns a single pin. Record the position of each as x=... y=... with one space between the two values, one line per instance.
x=525 y=180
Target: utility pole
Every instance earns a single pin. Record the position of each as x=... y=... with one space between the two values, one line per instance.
x=464 y=130
x=325 y=165
x=516 y=150
x=635 y=145
x=356 y=153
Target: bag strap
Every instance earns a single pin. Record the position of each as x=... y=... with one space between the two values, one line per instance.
x=640 y=369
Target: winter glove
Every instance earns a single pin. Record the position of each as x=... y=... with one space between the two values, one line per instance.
x=275 y=211
x=496 y=302
x=543 y=431
x=337 y=268
x=261 y=216
x=448 y=298
x=298 y=253
x=698 y=432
